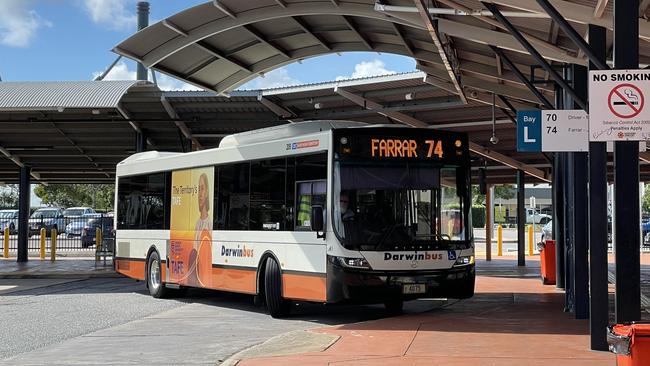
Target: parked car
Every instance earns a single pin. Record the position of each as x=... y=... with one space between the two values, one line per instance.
x=76 y=224
x=534 y=217
x=90 y=230
x=547 y=231
x=9 y=219
x=72 y=213
x=48 y=218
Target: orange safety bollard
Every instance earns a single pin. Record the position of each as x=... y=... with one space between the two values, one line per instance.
x=531 y=238
x=6 y=244
x=499 y=240
x=98 y=242
x=53 y=245
x=43 y=236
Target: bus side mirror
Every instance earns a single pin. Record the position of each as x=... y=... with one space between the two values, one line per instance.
x=317 y=220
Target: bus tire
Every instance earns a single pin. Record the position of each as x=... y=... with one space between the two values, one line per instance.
x=154 y=277
x=278 y=307
x=394 y=306
x=465 y=289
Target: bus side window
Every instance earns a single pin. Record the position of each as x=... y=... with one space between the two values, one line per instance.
x=308 y=194
x=233 y=197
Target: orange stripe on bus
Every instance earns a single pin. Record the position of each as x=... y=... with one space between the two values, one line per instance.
x=304 y=287
x=238 y=280
x=130 y=268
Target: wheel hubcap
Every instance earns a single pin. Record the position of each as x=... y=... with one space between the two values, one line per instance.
x=154 y=274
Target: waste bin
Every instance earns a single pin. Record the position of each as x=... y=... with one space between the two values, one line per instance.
x=547 y=258
x=630 y=343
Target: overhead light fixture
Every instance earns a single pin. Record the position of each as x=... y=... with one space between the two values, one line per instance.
x=318 y=105
x=95 y=111
x=494 y=139
x=60 y=109
x=409 y=96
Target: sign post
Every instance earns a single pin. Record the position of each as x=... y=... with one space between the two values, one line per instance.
x=618 y=106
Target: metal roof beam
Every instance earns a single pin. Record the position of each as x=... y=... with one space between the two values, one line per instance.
x=215 y=52
x=134 y=124
x=276 y=108
x=16 y=160
x=536 y=55
x=307 y=29
x=449 y=59
x=535 y=40
x=168 y=23
x=573 y=12
x=414 y=122
x=350 y=23
x=522 y=77
x=260 y=37
x=572 y=34
x=281 y=3
x=224 y=9
x=400 y=35
x=180 y=124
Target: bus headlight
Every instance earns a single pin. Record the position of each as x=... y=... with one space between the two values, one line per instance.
x=353 y=262
x=464 y=260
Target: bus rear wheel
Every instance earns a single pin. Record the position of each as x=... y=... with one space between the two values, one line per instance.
x=154 y=277
x=278 y=306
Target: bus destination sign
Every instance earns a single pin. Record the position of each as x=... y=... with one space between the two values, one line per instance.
x=400 y=144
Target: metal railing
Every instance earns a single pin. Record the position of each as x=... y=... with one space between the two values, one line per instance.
x=74 y=235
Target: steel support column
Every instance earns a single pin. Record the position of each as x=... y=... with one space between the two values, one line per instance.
x=521 y=219
x=24 y=192
x=598 y=302
x=141 y=141
x=143 y=22
x=559 y=202
x=626 y=176
x=580 y=211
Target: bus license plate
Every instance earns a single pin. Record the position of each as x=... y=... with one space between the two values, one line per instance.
x=414 y=288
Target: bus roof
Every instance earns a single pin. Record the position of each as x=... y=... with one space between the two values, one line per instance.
x=284 y=131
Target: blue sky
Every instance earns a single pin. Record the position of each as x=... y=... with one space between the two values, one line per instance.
x=72 y=39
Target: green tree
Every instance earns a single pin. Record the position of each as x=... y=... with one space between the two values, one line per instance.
x=477 y=197
x=645 y=205
x=98 y=196
x=505 y=191
x=9 y=196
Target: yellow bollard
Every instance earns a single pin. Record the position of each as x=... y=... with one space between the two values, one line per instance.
x=530 y=240
x=43 y=235
x=450 y=227
x=6 y=244
x=53 y=244
x=499 y=240
x=98 y=242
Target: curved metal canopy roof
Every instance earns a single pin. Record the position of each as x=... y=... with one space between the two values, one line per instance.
x=222 y=44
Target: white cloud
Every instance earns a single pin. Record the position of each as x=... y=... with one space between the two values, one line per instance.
x=364 y=69
x=272 y=79
x=19 y=23
x=112 y=13
x=121 y=71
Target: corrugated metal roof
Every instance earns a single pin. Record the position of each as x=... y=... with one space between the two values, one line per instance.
x=64 y=94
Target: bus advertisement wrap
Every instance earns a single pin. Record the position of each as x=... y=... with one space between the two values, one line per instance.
x=190 y=245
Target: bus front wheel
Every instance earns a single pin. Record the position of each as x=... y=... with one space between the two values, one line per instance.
x=154 y=277
x=394 y=306
x=277 y=306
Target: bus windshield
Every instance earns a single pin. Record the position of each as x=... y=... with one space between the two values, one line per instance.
x=407 y=206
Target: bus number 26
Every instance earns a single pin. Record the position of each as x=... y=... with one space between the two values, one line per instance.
x=435 y=148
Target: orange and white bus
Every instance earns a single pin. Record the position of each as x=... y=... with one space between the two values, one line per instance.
x=323 y=211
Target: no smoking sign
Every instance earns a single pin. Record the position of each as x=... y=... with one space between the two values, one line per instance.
x=625 y=101
x=617 y=110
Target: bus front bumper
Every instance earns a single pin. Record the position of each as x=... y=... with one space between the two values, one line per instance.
x=368 y=286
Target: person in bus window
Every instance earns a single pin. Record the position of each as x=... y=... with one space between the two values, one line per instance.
x=347 y=217
x=458 y=229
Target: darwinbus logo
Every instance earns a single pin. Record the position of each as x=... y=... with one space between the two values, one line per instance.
x=426 y=256
x=236 y=252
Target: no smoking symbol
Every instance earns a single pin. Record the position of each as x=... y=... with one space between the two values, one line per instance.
x=625 y=101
